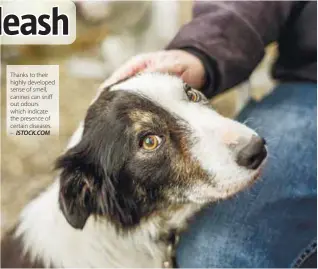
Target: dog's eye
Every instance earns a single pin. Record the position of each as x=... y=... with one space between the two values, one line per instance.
x=193 y=96
x=151 y=142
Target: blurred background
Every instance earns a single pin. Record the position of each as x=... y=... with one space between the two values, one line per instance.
x=108 y=33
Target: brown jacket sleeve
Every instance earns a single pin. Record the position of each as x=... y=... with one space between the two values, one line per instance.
x=230 y=37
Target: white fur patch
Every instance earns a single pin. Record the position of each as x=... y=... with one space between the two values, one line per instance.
x=47 y=235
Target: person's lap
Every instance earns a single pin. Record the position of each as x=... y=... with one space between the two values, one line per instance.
x=274 y=222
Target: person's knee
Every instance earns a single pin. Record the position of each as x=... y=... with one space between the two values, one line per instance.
x=221 y=250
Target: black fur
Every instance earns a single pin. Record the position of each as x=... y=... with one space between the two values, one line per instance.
x=102 y=175
x=11 y=253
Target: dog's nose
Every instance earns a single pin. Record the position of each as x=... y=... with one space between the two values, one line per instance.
x=252 y=155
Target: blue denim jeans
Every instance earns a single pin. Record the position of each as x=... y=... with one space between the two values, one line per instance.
x=272 y=224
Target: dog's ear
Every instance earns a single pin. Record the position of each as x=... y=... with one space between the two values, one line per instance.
x=91 y=183
x=94 y=178
x=76 y=187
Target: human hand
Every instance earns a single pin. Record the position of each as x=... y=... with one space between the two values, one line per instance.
x=177 y=62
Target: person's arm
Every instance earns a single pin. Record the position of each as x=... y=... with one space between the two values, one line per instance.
x=229 y=38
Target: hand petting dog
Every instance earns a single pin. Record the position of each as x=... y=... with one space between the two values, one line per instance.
x=175 y=62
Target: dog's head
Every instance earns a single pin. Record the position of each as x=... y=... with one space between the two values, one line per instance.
x=151 y=142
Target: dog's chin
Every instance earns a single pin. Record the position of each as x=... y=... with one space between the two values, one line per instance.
x=207 y=194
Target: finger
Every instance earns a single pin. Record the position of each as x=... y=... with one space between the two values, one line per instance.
x=171 y=67
x=131 y=67
x=126 y=70
x=138 y=64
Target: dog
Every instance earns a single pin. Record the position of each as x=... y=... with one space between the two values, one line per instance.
x=150 y=153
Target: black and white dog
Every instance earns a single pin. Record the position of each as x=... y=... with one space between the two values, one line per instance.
x=150 y=153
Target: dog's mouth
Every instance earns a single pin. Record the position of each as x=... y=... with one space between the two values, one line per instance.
x=245 y=184
x=205 y=193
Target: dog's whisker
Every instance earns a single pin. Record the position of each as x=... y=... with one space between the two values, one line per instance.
x=248 y=120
